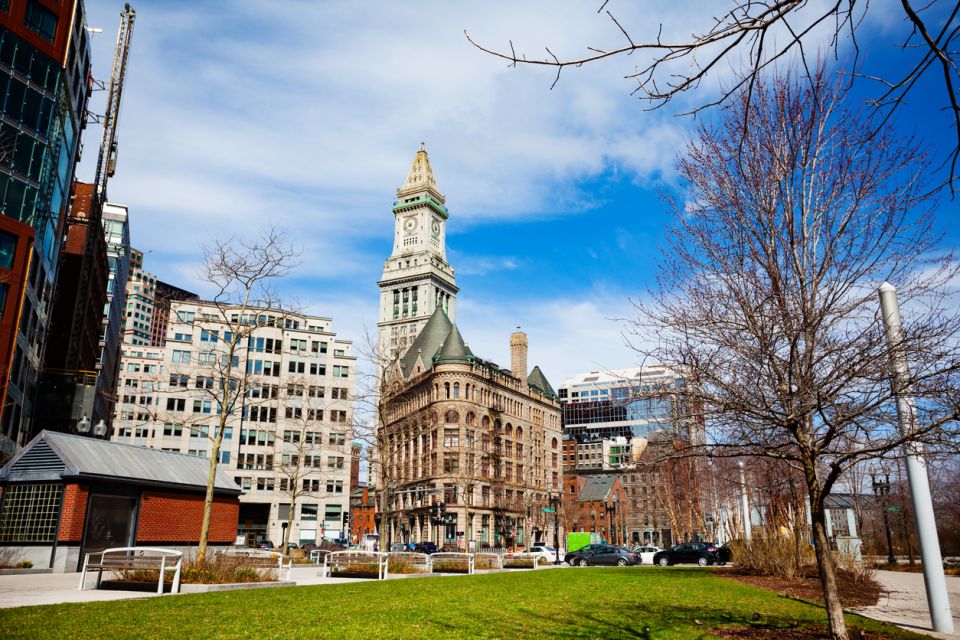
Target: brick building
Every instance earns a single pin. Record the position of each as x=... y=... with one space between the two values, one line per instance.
x=596 y=503
x=65 y=496
x=362 y=514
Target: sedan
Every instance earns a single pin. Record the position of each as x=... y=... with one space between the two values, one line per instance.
x=602 y=555
x=647 y=553
x=701 y=553
x=548 y=555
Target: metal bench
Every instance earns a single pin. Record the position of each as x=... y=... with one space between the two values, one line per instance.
x=134 y=559
x=260 y=559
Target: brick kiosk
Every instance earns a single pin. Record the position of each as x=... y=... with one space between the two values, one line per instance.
x=64 y=496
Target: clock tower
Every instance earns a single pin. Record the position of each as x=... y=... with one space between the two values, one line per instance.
x=416 y=277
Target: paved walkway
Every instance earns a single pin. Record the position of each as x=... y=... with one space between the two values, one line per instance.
x=57 y=588
x=905 y=603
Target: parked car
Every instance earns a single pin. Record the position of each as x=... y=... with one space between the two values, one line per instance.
x=647 y=553
x=724 y=554
x=701 y=553
x=425 y=547
x=265 y=544
x=602 y=555
x=548 y=555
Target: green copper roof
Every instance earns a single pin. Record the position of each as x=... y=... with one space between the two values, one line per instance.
x=538 y=381
x=453 y=349
x=428 y=342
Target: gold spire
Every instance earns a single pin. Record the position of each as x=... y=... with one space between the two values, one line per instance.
x=421 y=177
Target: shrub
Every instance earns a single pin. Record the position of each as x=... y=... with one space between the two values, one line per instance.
x=404 y=566
x=518 y=563
x=355 y=568
x=451 y=566
x=483 y=563
x=216 y=570
x=783 y=557
x=24 y=564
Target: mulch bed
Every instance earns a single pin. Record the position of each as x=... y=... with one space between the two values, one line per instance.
x=853 y=593
x=798 y=633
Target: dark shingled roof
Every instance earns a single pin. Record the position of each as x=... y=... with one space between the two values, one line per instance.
x=596 y=489
x=54 y=456
x=453 y=349
x=428 y=341
x=538 y=381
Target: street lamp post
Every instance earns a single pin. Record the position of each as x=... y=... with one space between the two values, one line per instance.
x=555 y=503
x=747 y=525
x=881 y=488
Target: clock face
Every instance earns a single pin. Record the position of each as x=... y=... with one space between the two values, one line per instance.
x=436 y=229
x=410 y=225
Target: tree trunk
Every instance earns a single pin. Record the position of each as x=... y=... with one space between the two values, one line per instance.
x=290 y=512
x=828 y=575
x=208 y=499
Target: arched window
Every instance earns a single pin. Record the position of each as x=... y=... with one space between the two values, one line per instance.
x=553 y=444
x=519 y=432
x=436 y=391
x=446 y=388
x=509 y=429
x=496 y=425
x=466 y=391
x=471 y=419
x=452 y=417
x=456 y=390
x=485 y=423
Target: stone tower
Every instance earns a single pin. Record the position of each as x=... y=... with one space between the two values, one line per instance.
x=518 y=355
x=416 y=277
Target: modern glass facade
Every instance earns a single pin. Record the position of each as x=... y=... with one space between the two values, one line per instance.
x=44 y=84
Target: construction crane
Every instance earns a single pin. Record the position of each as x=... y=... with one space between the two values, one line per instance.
x=107 y=160
x=106 y=167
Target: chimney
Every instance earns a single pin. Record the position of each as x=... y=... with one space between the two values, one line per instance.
x=518 y=355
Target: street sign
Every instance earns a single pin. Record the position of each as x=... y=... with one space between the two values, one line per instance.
x=549 y=510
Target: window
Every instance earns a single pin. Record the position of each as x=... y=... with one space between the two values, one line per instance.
x=331 y=512
x=181 y=357
x=451 y=437
x=296 y=367
x=209 y=336
x=202 y=406
x=176 y=404
x=264 y=484
x=185 y=316
x=8 y=249
x=451 y=417
x=317 y=369
x=341 y=371
x=40 y=20
x=337 y=439
x=451 y=463
x=335 y=486
x=172 y=430
x=184 y=337
x=179 y=380
x=334 y=462
x=315 y=392
x=309 y=511
x=30 y=512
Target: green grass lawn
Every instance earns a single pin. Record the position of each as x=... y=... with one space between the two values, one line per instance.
x=565 y=603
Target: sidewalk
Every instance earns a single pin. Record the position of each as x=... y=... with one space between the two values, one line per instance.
x=58 y=588
x=905 y=603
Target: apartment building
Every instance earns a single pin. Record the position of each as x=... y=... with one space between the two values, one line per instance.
x=287 y=436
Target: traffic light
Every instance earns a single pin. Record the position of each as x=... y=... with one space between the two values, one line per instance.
x=435 y=511
x=346 y=518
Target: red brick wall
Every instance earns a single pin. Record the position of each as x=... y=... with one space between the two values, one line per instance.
x=72 y=513
x=172 y=517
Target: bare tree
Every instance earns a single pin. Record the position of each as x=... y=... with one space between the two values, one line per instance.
x=240 y=273
x=767 y=296
x=763 y=34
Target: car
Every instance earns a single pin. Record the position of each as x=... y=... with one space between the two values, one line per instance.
x=701 y=553
x=602 y=555
x=425 y=547
x=265 y=544
x=548 y=555
x=647 y=552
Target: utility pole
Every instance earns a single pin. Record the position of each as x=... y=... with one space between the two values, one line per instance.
x=938 y=601
x=747 y=524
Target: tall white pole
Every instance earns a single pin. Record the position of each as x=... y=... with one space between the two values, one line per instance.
x=937 y=599
x=747 y=525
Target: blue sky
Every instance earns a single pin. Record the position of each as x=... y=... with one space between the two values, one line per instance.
x=308 y=114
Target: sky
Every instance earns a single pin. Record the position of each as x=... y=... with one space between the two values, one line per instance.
x=308 y=115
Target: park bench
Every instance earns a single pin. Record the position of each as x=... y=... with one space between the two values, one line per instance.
x=134 y=559
x=260 y=559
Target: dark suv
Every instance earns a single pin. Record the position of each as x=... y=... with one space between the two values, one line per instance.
x=602 y=555
x=701 y=553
